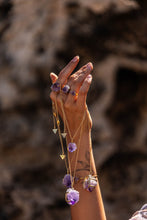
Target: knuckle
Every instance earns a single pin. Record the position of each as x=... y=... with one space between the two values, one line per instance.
x=72 y=78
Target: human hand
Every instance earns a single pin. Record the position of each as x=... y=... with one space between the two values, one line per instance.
x=74 y=105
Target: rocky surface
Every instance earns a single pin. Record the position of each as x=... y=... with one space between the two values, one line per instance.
x=37 y=37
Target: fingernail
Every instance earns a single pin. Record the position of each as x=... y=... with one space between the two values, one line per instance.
x=51 y=75
x=75 y=59
x=90 y=66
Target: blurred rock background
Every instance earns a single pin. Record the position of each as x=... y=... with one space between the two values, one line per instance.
x=37 y=37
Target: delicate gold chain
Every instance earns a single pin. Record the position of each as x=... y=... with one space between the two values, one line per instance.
x=64 y=118
x=78 y=151
x=66 y=125
x=72 y=138
x=56 y=115
x=70 y=162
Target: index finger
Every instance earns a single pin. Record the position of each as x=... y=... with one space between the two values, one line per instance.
x=67 y=70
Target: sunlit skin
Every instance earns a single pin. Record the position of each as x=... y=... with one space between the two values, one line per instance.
x=90 y=205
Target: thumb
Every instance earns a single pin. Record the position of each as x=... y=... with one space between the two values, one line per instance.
x=53 y=77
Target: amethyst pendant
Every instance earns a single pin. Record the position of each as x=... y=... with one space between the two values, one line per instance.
x=71 y=196
x=89 y=183
x=55 y=87
x=67 y=180
x=71 y=147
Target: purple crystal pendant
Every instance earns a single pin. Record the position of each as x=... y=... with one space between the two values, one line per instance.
x=89 y=183
x=55 y=87
x=66 y=89
x=71 y=196
x=67 y=180
x=71 y=147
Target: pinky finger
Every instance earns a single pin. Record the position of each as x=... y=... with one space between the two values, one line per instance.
x=81 y=101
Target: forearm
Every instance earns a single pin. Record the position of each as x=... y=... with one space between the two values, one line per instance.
x=90 y=205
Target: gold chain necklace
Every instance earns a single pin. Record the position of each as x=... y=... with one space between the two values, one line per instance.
x=72 y=196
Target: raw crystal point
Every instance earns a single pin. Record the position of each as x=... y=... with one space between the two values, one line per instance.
x=67 y=180
x=55 y=87
x=71 y=147
x=89 y=183
x=71 y=196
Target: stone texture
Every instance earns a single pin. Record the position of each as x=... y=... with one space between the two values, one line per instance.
x=39 y=37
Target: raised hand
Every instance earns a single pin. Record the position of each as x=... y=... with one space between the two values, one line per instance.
x=74 y=100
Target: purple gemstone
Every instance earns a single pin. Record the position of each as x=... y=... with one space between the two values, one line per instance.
x=55 y=87
x=73 y=93
x=72 y=147
x=67 y=180
x=89 y=183
x=72 y=196
x=66 y=89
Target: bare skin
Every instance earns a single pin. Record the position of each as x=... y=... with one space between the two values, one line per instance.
x=90 y=205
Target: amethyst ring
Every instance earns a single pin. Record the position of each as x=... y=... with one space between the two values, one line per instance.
x=66 y=89
x=56 y=87
x=74 y=93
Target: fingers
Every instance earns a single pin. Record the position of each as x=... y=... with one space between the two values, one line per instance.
x=68 y=69
x=81 y=101
x=63 y=75
x=79 y=83
x=76 y=81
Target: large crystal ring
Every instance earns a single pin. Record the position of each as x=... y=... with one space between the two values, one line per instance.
x=55 y=87
x=71 y=196
x=66 y=89
x=89 y=183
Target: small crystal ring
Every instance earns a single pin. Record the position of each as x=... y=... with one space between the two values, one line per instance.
x=66 y=89
x=55 y=87
x=73 y=93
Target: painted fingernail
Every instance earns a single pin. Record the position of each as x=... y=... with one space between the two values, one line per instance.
x=89 y=66
x=76 y=58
